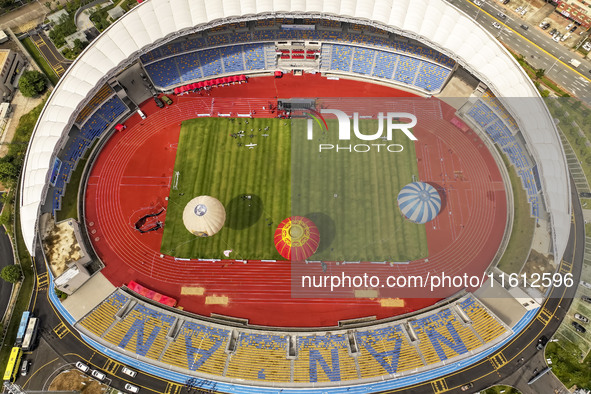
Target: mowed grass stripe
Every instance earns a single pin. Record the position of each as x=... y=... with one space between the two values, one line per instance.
x=291 y=177
x=368 y=223
x=211 y=163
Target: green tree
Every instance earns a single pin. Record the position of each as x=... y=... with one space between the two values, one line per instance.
x=32 y=83
x=8 y=172
x=540 y=72
x=11 y=273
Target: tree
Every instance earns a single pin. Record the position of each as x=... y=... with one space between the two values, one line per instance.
x=32 y=83
x=540 y=72
x=8 y=172
x=11 y=273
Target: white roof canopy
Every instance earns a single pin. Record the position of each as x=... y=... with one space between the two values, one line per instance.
x=434 y=22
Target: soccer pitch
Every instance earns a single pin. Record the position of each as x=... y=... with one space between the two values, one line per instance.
x=350 y=197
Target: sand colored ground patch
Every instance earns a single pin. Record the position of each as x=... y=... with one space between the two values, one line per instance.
x=76 y=381
x=392 y=302
x=217 y=300
x=187 y=290
x=61 y=247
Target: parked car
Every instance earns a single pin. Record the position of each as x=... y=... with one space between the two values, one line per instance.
x=98 y=374
x=166 y=99
x=496 y=25
x=505 y=1
x=25 y=367
x=467 y=386
x=129 y=372
x=564 y=37
x=557 y=37
x=542 y=341
x=582 y=318
x=131 y=388
x=478 y=3
x=546 y=27
x=573 y=29
x=542 y=24
x=578 y=327
x=586 y=298
x=83 y=367
x=569 y=26
x=158 y=102
x=518 y=9
x=553 y=31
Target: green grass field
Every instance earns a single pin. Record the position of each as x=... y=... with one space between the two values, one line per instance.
x=286 y=175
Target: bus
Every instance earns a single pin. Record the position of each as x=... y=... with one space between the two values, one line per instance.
x=13 y=363
x=22 y=327
x=30 y=334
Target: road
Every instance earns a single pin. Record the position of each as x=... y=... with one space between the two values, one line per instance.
x=535 y=45
x=6 y=258
x=50 y=53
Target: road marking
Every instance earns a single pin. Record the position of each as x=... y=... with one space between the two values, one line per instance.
x=111 y=366
x=439 y=386
x=61 y=330
x=172 y=388
x=498 y=360
x=544 y=316
x=42 y=280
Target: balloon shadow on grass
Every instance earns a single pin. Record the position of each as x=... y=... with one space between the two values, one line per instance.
x=326 y=227
x=243 y=211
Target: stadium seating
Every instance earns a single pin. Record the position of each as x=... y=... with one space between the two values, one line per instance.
x=487 y=327
x=102 y=316
x=164 y=72
x=254 y=57
x=232 y=59
x=386 y=351
x=431 y=76
x=143 y=331
x=152 y=332
x=100 y=96
x=441 y=336
x=268 y=350
x=363 y=61
x=324 y=358
x=497 y=124
x=407 y=70
x=198 y=347
x=189 y=67
x=385 y=64
x=341 y=57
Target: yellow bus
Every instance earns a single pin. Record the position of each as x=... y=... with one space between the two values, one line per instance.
x=13 y=363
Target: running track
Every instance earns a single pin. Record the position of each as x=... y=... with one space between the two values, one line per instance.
x=132 y=175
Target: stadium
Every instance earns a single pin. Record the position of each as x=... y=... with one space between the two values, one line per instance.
x=199 y=214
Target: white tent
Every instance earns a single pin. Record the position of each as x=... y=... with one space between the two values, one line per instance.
x=434 y=22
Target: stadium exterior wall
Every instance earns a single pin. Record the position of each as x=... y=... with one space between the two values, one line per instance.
x=433 y=22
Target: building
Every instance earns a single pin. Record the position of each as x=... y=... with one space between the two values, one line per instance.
x=576 y=10
x=11 y=64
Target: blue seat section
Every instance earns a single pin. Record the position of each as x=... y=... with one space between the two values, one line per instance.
x=406 y=70
x=92 y=128
x=208 y=63
x=323 y=358
x=499 y=131
x=189 y=66
x=363 y=60
x=431 y=76
x=439 y=332
x=271 y=32
x=232 y=59
x=173 y=48
x=537 y=177
x=57 y=163
x=254 y=56
x=385 y=64
x=211 y=63
x=164 y=72
x=341 y=57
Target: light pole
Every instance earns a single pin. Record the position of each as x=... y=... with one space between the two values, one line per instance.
x=553 y=64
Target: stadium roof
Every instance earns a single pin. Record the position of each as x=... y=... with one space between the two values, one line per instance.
x=433 y=22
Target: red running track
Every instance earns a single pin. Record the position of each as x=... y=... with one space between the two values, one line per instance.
x=132 y=176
